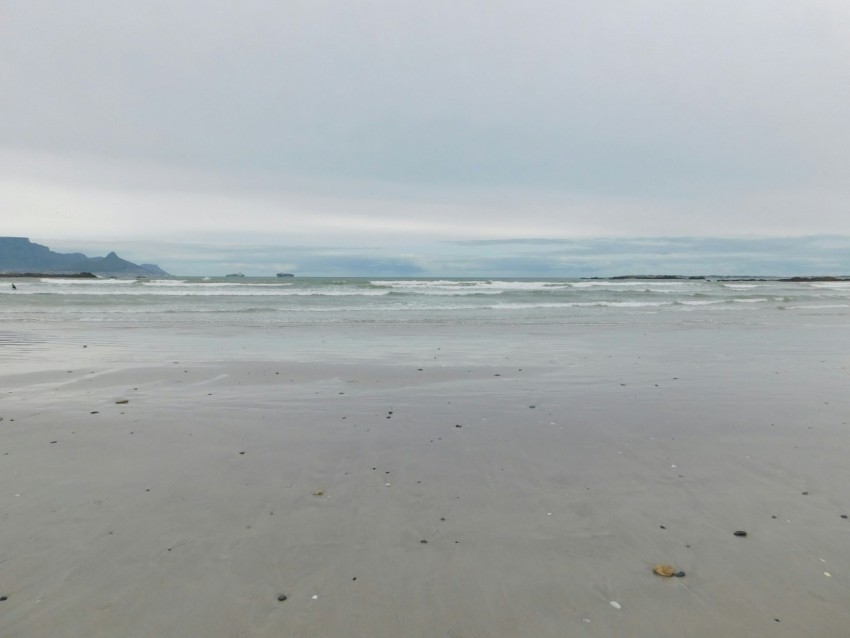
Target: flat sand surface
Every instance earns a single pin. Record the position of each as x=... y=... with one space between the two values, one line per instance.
x=516 y=497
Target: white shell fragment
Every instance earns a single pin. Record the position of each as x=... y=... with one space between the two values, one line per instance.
x=827 y=574
x=616 y=605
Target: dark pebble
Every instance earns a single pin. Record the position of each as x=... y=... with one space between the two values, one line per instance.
x=242 y=453
x=844 y=516
x=662 y=527
x=54 y=441
x=805 y=493
x=424 y=542
x=458 y=425
x=4 y=598
x=281 y=597
x=95 y=412
x=679 y=574
x=740 y=532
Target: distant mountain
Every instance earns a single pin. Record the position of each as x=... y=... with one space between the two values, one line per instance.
x=19 y=254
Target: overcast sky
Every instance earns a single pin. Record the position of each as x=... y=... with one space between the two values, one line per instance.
x=379 y=135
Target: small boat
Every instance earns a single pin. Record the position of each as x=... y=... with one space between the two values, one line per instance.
x=235 y=274
x=285 y=274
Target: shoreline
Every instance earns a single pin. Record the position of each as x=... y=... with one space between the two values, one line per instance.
x=544 y=491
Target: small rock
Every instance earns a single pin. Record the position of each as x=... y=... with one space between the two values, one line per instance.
x=122 y=401
x=4 y=598
x=805 y=493
x=281 y=597
x=616 y=605
x=679 y=574
x=664 y=570
x=319 y=493
x=844 y=516
x=740 y=532
x=424 y=542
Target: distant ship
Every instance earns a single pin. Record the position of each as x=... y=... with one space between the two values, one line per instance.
x=235 y=274
x=285 y=274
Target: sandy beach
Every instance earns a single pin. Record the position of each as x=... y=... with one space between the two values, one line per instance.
x=528 y=493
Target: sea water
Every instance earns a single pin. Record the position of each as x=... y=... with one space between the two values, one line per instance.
x=45 y=320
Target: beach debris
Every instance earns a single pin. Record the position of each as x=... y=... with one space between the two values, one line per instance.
x=315 y=597
x=616 y=605
x=281 y=597
x=122 y=401
x=805 y=493
x=740 y=532
x=424 y=542
x=827 y=574
x=387 y=484
x=668 y=571
x=844 y=516
x=4 y=598
x=664 y=570
x=319 y=493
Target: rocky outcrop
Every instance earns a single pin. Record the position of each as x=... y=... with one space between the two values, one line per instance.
x=20 y=255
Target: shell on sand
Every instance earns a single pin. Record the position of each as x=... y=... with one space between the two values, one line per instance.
x=664 y=570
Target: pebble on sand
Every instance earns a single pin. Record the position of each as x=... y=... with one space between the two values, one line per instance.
x=664 y=570
x=616 y=605
x=281 y=597
x=122 y=401
x=740 y=532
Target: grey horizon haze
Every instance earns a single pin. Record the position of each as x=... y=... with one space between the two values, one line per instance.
x=440 y=138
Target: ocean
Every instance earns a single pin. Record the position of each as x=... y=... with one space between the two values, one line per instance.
x=377 y=318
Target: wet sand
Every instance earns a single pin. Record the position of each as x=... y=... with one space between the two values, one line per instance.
x=520 y=497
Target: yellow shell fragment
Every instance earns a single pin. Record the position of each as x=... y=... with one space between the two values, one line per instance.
x=319 y=493
x=664 y=570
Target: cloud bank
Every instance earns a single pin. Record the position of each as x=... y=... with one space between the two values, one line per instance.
x=377 y=123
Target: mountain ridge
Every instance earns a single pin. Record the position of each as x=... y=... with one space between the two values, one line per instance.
x=19 y=255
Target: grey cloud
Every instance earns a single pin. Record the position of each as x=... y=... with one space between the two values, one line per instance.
x=571 y=258
x=647 y=98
